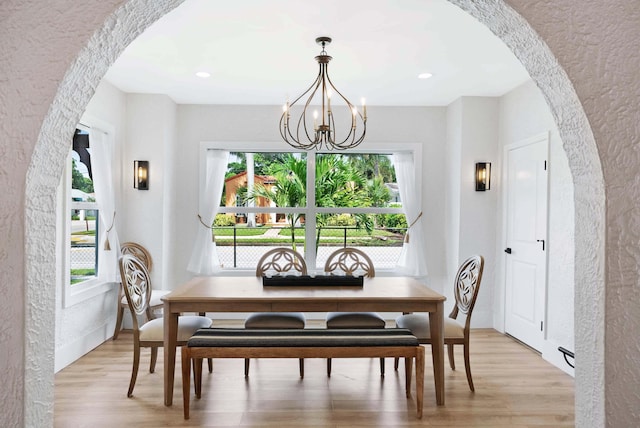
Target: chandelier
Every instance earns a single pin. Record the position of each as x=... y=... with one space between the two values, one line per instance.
x=298 y=133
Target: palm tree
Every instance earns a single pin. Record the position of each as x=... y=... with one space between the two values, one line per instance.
x=339 y=184
x=289 y=189
x=373 y=165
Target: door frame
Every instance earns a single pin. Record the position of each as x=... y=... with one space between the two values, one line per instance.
x=543 y=136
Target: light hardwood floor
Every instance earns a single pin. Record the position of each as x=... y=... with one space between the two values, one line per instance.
x=515 y=388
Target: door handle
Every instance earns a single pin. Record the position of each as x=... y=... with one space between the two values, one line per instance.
x=507 y=250
x=541 y=240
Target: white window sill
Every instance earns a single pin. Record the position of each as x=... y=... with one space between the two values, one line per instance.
x=86 y=290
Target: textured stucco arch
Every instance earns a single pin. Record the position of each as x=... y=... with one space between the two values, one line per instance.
x=127 y=22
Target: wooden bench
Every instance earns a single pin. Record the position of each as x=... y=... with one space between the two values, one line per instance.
x=303 y=343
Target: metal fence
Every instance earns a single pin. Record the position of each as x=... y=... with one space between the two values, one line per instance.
x=242 y=247
x=83 y=255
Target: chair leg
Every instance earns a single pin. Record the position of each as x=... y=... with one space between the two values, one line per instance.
x=382 y=367
x=408 y=367
x=154 y=358
x=246 y=367
x=301 y=362
x=116 y=330
x=328 y=367
x=197 y=377
x=452 y=361
x=134 y=370
x=467 y=365
x=396 y=363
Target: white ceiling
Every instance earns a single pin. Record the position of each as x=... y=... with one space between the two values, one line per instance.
x=262 y=52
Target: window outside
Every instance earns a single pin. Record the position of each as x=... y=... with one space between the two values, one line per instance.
x=353 y=202
x=84 y=213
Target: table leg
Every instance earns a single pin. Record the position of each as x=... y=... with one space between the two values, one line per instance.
x=436 y=321
x=170 y=340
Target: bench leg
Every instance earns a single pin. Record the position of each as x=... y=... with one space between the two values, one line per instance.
x=301 y=363
x=186 y=378
x=419 y=380
x=408 y=367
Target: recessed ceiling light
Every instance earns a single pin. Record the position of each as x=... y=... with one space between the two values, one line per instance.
x=424 y=75
x=203 y=74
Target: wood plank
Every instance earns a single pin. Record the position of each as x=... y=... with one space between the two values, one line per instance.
x=515 y=388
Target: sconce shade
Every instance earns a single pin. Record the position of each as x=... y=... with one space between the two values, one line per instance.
x=483 y=176
x=141 y=175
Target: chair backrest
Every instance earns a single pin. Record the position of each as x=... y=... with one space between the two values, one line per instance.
x=466 y=286
x=136 y=284
x=350 y=261
x=139 y=252
x=281 y=260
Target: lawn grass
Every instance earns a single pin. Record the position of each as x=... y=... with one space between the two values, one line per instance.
x=239 y=231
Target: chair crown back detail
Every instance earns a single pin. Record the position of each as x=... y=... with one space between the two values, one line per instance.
x=467 y=284
x=136 y=283
x=281 y=260
x=139 y=252
x=350 y=261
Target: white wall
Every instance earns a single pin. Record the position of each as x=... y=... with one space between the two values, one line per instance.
x=451 y=185
x=523 y=114
x=472 y=129
x=151 y=135
x=85 y=325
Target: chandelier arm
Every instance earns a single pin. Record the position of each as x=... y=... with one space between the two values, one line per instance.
x=339 y=93
x=303 y=117
x=352 y=132
x=315 y=83
x=288 y=135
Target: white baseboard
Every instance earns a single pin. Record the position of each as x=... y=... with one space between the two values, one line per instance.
x=481 y=319
x=79 y=347
x=551 y=354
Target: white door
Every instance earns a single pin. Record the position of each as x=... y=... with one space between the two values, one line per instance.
x=526 y=239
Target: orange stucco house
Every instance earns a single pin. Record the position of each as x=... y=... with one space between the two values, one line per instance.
x=238 y=181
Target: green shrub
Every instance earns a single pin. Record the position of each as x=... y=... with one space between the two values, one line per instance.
x=341 y=220
x=393 y=222
x=224 y=220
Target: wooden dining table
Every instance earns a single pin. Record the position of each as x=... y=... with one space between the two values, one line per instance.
x=247 y=294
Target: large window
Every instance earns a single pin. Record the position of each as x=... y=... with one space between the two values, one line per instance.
x=83 y=213
x=88 y=241
x=312 y=202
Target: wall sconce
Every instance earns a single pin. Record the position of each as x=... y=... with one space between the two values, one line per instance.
x=141 y=175
x=483 y=176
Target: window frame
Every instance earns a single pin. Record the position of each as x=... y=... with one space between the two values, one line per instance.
x=82 y=291
x=310 y=210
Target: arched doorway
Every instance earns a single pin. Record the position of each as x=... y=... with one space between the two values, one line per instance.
x=128 y=21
